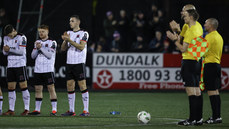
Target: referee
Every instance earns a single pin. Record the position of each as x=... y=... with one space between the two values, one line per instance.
x=212 y=69
x=190 y=69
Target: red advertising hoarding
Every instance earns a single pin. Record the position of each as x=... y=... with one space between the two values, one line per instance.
x=143 y=71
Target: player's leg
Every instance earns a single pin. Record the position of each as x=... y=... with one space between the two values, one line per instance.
x=71 y=98
x=1 y=101
x=83 y=88
x=11 y=82
x=212 y=80
x=11 y=97
x=53 y=98
x=70 y=76
x=85 y=97
x=38 y=100
x=22 y=79
x=49 y=81
x=38 y=82
x=71 y=94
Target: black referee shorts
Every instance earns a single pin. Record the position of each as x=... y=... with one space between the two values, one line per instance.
x=212 y=76
x=190 y=73
x=76 y=72
x=17 y=74
x=44 y=78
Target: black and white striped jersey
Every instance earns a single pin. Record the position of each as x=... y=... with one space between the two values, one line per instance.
x=74 y=55
x=45 y=56
x=17 y=54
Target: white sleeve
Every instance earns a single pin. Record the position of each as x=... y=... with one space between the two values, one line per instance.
x=16 y=52
x=5 y=53
x=50 y=51
x=21 y=48
x=35 y=52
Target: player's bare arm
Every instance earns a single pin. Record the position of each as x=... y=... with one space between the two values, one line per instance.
x=173 y=36
x=80 y=46
x=175 y=26
x=183 y=48
x=64 y=45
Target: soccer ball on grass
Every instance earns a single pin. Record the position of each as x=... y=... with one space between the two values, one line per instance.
x=143 y=117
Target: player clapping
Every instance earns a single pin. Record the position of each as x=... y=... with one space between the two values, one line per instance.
x=75 y=42
x=15 y=50
x=44 y=53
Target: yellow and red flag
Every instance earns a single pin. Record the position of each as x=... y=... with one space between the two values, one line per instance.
x=197 y=48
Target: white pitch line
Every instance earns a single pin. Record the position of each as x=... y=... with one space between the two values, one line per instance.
x=114 y=125
x=90 y=126
x=170 y=119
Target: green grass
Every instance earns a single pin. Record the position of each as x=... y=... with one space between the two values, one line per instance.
x=165 y=109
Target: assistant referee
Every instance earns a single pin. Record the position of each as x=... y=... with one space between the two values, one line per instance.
x=212 y=69
x=190 y=69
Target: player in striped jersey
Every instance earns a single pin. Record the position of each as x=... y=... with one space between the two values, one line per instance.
x=15 y=50
x=75 y=42
x=44 y=53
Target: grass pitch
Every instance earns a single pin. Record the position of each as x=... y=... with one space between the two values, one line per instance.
x=165 y=109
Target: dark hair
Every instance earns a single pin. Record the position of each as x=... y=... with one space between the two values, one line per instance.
x=75 y=16
x=43 y=27
x=8 y=29
x=193 y=13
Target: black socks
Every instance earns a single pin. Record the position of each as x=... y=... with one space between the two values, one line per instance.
x=195 y=107
x=215 y=105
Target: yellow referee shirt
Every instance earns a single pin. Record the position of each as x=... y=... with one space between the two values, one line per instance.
x=191 y=33
x=215 y=45
x=184 y=28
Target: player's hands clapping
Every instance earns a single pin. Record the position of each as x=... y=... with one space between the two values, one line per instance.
x=6 y=48
x=174 y=26
x=172 y=36
x=38 y=45
x=65 y=36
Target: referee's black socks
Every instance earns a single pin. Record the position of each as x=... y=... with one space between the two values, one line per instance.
x=192 y=114
x=195 y=107
x=216 y=106
x=199 y=107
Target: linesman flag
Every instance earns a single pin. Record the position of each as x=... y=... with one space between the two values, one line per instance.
x=197 y=48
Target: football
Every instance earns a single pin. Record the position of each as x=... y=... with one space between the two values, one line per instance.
x=143 y=117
